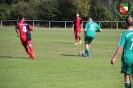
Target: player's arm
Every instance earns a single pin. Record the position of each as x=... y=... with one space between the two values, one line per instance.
x=17 y=31
x=119 y=48
x=85 y=30
x=99 y=29
x=81 y=25
x=118 y=51
x=30 y=27
x=72 y=25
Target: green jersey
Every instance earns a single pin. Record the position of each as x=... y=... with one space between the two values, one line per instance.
x=91 y=28
x=126 y=41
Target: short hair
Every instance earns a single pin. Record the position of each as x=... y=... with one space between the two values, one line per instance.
x=20 y=18
x=129 y=20
x=89 y=18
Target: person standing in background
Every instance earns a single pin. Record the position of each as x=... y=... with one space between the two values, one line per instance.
x=77 y=28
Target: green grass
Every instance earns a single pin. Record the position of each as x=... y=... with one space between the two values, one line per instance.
x=57 y=64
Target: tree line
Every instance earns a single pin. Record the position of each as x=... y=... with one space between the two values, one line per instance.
x=57 y=9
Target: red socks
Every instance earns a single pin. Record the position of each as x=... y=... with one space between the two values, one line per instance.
x=28 y=51
x=77 y=38
x=31 y=49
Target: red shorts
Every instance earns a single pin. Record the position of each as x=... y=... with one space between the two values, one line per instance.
x=25 y=43
x=76 y=32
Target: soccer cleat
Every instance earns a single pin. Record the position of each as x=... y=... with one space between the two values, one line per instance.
x=76 y=43
x=80 y=42
x=85 y=55
x=88 y=55
x=32 y=56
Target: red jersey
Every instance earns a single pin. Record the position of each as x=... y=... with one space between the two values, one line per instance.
x=24 y=29
x=77 y=23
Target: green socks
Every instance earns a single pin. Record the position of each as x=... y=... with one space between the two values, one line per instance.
x=87 y=51
x=127 y=84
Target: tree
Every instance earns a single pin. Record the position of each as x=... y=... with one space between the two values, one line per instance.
x=66 y=10
x=4 y=12
x=9 y=2
x=100 y=13
x=28 y=9
x=82 y=7
x=48 y=10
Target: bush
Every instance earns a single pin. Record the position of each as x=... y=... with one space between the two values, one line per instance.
x=5 y=13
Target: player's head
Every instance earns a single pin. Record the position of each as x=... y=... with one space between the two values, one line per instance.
x=21 y=18
x=77 y=14
x=129 y=21
x=90 y=19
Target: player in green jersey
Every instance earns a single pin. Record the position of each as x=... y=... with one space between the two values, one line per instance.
x=89 y=33
x=126 y=44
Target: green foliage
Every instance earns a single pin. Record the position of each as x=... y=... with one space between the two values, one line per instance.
x=60 y=10
x=4 y=12
x=48 y=10
x=9 y=2
x=101 y=14
x=82 y=7
x=67 y=11
x=24 y=9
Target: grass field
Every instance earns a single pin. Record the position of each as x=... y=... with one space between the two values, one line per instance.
x=57 y=64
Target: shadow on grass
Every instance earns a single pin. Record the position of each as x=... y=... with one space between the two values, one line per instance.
x=68 y=55
x=63 y=42
x=13 y=57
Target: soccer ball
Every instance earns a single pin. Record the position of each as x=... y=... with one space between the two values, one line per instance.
x=81 y=53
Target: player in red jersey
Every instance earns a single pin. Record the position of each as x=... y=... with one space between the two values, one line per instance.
x=76 y=27
x=23 y=31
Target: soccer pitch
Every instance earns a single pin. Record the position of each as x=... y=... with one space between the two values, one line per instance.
x=57 y=64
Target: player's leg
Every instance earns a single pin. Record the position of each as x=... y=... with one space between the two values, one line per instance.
x=88 y=41
x=24 y=43
x=87 y=49
x=27 y=50
x=127 y=69
x=78 y=34
x=76 y=37
x=29 y=42
x=31 y=48
x=127 y=80
x=79 y=37
x=87 y=46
